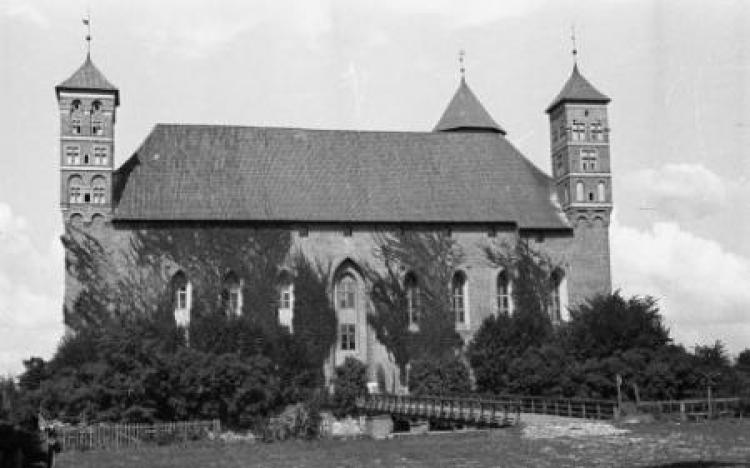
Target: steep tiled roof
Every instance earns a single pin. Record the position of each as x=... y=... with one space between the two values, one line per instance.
x=578 y=89
x=465 y=112
x=207 y=172
x=88 y=78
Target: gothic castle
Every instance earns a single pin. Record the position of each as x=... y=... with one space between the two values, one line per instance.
x=332 y=190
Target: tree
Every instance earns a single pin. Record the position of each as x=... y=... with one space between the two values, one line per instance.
x=34 y=375
x=314 y=320
x=608 y=323
x=490 y=353
x=743 y=360
x=713 y=366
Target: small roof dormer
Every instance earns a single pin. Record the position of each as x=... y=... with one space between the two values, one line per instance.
x=88 y=78
x=578 y=89
x=466 y=114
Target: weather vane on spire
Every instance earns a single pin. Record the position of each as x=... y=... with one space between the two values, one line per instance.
x=461 y=56
x=573 y=38
x=87 y=23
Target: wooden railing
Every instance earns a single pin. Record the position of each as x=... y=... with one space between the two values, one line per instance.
x=473 y=411
x=116 y=436
x=569 y=407
x=583 y=408
x=692 y=409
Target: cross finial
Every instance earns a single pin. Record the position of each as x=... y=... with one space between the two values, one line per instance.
x=573 y=38
x=461 y=56
x=87 y=23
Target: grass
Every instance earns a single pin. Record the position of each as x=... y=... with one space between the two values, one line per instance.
x=695 y=445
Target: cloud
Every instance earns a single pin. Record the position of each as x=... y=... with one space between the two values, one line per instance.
x=464 y=13
x=26 y=11
x=679 y=191
x=198 y=29
x=30 y=294
x=702 y=288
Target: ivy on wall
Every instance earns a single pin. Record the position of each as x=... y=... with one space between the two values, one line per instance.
x=530 y=272
x=127 y=277
x=432 y=257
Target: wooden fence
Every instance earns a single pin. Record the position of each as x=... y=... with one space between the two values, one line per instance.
x=695 y=409
x=116 y=436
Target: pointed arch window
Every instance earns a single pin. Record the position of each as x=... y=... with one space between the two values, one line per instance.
x=459 y=298
x=97 y=120
x=579 y=191
x=503 y=293
x=76 y=108
x=75 y=189
x=556 y=295
x=346 y=292
x=413 y=298
x=232 y=294
x=286 y=300
x=181 y=293
x=346 y=302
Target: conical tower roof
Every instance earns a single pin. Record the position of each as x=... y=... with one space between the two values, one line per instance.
x=466 y=113
x=578 y=89
x=88 y=78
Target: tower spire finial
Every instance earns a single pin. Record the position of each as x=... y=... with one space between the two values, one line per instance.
x=575 y=47
x=461 y=56
x=87 y=23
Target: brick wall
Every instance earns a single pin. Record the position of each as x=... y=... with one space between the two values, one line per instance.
x=583 y=253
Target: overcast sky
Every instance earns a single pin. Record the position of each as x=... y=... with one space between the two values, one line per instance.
x=678 y=73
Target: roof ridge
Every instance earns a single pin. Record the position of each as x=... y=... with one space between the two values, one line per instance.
x=304 y=129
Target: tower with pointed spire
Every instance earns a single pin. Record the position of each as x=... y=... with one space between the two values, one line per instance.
x=579 y=136
x=87 y=103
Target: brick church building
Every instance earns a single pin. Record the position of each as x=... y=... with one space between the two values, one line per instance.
x=333 y=189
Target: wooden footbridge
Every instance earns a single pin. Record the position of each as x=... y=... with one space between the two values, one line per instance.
x=468 y=411
x=483 y=410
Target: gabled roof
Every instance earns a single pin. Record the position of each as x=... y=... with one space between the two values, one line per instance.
x=466 y=113
x=88 y=78
x=578 y=89
x=227 y=173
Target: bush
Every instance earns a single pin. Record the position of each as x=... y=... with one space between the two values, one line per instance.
x=350 y=383
x=439 y=376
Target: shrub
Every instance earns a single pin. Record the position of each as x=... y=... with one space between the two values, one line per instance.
x=439 y=376
x=350 y=383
